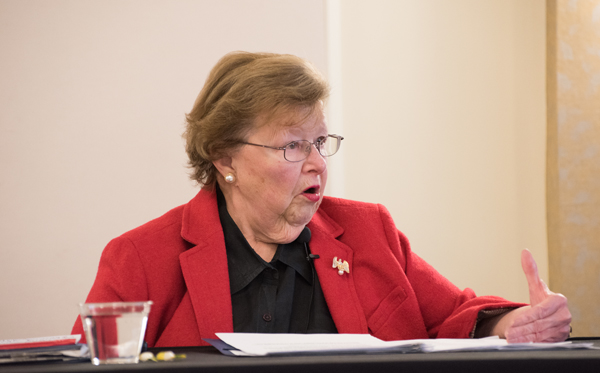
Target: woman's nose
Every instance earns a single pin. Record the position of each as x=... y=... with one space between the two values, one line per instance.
x=315 y=161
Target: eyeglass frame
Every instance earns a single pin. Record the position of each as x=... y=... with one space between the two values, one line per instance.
x=338 y=137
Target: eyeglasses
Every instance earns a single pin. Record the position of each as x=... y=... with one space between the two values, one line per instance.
x=297 y=151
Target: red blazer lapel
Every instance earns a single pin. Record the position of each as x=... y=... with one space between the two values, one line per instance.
x=339 y=290
x=204 y=266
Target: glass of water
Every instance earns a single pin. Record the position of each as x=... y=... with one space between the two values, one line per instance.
x=115 y=331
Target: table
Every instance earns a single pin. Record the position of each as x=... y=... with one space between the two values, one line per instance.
x=208 y=359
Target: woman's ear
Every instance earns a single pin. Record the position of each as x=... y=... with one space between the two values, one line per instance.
x=224 y=166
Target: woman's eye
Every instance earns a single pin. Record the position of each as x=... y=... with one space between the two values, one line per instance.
x=292 y=146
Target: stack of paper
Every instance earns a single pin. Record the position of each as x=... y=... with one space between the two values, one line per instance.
x=63 y=347
x=263 y=344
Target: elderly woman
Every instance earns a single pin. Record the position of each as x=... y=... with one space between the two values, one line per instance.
x=260 y=249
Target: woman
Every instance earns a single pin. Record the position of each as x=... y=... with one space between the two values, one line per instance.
x=259 y=249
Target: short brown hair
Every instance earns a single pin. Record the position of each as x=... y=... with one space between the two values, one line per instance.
x=239 y=88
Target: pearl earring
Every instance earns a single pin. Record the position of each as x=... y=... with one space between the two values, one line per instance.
x=229 y=178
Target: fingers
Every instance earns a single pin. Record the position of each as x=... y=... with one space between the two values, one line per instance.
x=547 y=322
x=538 y=291
x=550 y=308
x=547 y=319
x=557 y=334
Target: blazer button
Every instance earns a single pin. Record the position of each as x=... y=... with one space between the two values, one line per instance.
x=267 y=317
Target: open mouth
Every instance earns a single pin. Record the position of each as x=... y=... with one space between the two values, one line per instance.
x=312 y=193
x=311 y=190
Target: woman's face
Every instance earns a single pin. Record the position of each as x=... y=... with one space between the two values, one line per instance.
x=272 y=198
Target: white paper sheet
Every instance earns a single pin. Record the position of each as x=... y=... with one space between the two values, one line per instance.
x=259 y=344
x=262 y=344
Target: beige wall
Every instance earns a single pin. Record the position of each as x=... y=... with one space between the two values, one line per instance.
x=444 y=114
x=441 y=104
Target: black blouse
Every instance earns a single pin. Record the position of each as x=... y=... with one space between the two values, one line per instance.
x=282 y=296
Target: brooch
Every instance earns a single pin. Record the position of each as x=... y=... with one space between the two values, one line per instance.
x=342 y=266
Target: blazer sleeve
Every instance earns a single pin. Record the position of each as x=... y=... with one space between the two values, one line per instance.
x=447 y=311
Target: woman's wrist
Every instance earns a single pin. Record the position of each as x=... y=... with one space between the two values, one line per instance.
x=494 y=322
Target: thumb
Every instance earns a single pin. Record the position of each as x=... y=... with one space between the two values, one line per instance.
x=538 y=291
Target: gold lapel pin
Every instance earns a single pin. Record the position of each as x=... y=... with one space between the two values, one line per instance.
x=342 y=266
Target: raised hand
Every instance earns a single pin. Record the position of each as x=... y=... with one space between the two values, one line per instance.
x=547 y=319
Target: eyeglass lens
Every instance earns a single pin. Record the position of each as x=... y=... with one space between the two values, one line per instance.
x=299 y=150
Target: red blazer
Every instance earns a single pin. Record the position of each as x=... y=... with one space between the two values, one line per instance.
x=179 y=262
